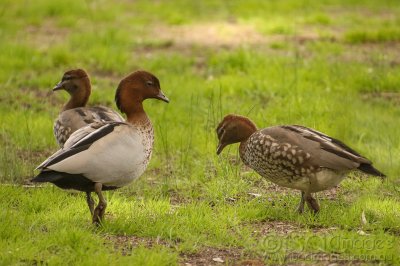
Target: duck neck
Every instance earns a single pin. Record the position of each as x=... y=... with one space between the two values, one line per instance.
x=137 y=116
x=245 y=133
x=78 y=99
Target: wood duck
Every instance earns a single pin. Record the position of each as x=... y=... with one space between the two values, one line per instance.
x=75 y=114
x=293 y=156
x=107 y=155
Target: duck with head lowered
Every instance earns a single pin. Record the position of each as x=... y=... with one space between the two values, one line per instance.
x=107 y=155
x=75 y=114
x=293 y=156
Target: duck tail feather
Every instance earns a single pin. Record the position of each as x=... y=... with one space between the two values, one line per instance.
x=47 y=176
x=369 y=169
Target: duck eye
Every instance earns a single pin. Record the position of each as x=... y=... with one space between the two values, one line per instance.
x=149 y=83
x=67 y=77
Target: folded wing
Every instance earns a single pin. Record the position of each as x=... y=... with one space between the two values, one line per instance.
x=71 y=120
x=81 y=140
x=324 y=151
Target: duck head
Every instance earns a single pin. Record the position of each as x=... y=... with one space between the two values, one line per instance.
x=73 y=81
x=233 y=129
x=135 y=88
x=77 y=83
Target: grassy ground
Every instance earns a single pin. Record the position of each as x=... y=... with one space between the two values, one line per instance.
x=333 y=66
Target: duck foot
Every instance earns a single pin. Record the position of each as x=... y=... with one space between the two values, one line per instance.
x=312 y=203
x=300 y=208
x=98 y=213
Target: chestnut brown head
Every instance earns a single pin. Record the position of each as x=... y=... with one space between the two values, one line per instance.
x=74 y=81
x=136 y=88
x=233 y=129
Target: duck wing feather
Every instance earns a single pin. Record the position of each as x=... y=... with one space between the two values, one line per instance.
x=324 y=150
x=71 y=120
x=81 y=140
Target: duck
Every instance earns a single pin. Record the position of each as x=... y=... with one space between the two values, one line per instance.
x=107 y=155
x=75 y=114
x=293 y=156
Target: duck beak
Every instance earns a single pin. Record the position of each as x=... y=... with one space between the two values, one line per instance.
x=162 y=97
x=59 y=86
x=220 y=148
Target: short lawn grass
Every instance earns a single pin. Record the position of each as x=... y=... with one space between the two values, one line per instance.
x=331 y=65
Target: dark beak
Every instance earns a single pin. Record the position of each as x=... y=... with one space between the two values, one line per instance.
x=59 y=86
x=162 y=97
x=220 y=148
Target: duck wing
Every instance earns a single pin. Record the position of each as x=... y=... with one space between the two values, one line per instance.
x=71 y=120
x=81 y=140
x=324 y=150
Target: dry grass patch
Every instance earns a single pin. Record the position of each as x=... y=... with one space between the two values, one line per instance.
x=388 y=52
x=45 y=35
x=393 y=97
x=230 y=35
x=218 y=34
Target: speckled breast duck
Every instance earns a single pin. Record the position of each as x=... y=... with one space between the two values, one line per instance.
x=293 y=156
x=75 y=114
x=107 y=155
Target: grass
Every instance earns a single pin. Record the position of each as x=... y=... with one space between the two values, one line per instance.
x=330 y=65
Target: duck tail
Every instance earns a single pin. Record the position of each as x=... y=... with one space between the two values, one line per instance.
x=47 y=176
x=369 y=169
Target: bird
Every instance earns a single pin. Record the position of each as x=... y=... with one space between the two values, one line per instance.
x=293 y=156
x=107 y=155
x=75 y=114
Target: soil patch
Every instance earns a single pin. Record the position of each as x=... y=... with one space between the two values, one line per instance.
x=127 y=243
x=284 y=228
x=215 y=256
x=303 y=259
x=205 y=256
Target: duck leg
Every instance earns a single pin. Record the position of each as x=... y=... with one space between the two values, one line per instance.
x=300 y=209
x=101 y=207
x=312 y=203
x=90 y=202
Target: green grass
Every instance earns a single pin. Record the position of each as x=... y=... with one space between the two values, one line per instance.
x=384 y=35
x=331 y=65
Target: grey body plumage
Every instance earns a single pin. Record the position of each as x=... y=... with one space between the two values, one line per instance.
x=73 y=119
